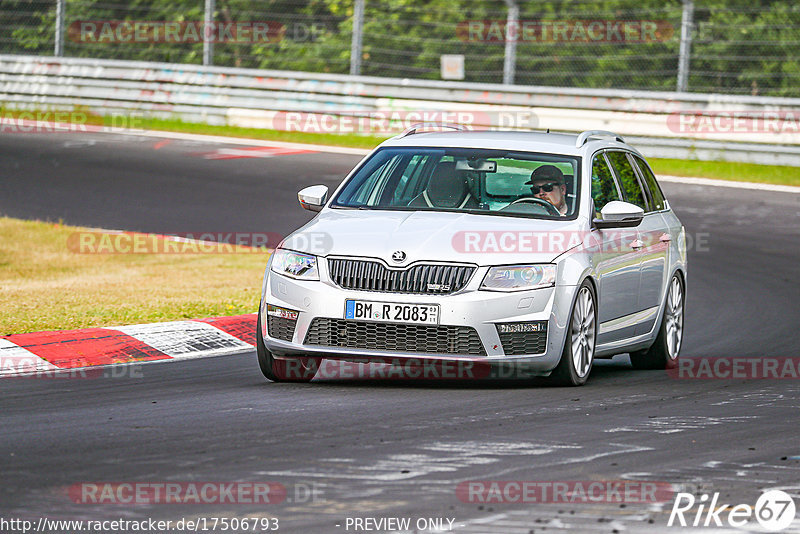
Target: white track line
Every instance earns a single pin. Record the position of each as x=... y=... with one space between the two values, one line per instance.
x=726 y=183
x=15 y=360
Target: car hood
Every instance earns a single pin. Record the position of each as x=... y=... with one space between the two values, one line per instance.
x=436 y=236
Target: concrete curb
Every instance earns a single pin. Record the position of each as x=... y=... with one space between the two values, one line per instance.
x=48 y=352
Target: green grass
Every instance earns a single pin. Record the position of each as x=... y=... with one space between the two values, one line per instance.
x=727 y=170
x=47 y=284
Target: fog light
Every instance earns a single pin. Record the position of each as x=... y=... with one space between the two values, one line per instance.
x=280 y=322
x=516 y=328
x=524 y=338
x=282 y=313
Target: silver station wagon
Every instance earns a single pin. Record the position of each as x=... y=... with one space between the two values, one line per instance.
x=537 y=252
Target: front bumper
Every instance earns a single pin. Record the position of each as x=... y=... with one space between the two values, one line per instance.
x=480 y=310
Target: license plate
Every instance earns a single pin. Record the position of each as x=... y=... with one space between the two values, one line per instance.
x=392 y=312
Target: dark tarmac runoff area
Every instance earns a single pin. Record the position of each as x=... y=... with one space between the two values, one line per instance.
x=339 y=449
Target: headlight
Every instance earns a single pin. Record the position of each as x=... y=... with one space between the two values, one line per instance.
x=295 y=264
x=519 y=277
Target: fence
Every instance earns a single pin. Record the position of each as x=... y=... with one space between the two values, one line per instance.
x=711 y=46
x=660 y=123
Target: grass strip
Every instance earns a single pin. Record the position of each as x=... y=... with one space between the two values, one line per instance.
x=46 y=283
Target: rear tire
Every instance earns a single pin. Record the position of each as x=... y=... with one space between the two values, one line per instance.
x=291 y=370
x=665 y=351
x=578 y=355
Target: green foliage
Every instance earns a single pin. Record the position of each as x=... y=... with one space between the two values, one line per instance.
x=739 y=46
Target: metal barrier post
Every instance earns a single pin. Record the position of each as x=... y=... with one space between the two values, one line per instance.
x=512 y=34
x=208 y=33
x=358 y=29
x=687 y=23
x=59 y=39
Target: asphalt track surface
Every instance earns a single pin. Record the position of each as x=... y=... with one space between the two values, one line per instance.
x=396 y=448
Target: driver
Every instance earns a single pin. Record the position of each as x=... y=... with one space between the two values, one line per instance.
x=547 y=183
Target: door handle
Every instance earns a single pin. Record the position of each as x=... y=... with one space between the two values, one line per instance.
x=665 y=238
x=636 y=244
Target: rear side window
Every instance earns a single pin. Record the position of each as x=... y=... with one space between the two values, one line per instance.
x=627 y=178
x=603 y=188
x=656 y=196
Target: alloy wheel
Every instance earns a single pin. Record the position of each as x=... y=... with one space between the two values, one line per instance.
x=583 y=338
x=674 y=318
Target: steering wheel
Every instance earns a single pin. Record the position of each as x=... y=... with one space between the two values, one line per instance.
x=539 y=201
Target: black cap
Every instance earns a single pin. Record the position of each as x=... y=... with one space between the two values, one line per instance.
x=546 y=172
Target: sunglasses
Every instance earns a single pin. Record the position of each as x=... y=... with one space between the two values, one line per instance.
x=544 y=187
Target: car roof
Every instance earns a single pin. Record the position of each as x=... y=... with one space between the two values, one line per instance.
x=551 y=143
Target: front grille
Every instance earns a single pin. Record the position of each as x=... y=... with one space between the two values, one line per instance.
x=370 y=275
x=520 y=343
x=280 y=327
x=429 y=339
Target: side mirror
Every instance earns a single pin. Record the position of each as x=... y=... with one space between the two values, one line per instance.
x=618 y=214
x=313 y=197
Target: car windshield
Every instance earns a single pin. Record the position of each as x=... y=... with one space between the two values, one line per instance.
x=523 y=184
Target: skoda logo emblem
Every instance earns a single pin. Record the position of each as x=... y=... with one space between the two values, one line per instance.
x=399 y=256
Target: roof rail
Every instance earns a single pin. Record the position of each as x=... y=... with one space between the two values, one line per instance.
x=416 y=126
x=584 y=136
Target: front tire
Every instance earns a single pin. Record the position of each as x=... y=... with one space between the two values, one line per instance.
x=578 y=355
x=664 y=352
x=293 y=370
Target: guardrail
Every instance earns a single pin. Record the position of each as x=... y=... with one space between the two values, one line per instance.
x=663 y=124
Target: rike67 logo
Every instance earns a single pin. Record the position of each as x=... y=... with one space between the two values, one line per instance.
x=774 y=511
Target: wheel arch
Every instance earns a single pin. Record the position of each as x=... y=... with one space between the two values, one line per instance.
x=679 y=270
x=589 y=278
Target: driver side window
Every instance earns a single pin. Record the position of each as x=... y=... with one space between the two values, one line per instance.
x=604 y=190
